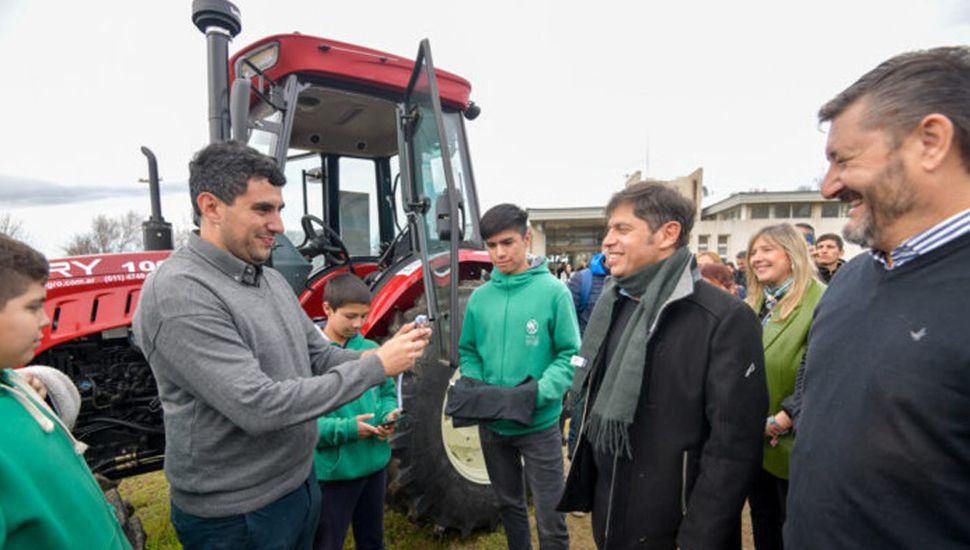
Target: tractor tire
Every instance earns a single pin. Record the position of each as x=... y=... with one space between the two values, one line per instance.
x=437 y=473
x=124 y=511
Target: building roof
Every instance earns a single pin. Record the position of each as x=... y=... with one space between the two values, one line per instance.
x=735 y=199
x=763 y=197
x=557 y=214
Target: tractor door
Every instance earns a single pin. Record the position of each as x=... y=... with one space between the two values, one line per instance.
x=434 y=170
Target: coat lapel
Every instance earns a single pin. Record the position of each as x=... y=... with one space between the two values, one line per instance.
x=773 y=329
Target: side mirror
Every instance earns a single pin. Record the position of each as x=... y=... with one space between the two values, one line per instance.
x=442 y=217
x=239 y=109
x=442 y=214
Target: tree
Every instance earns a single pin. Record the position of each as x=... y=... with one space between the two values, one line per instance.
x=12 y=227
x=180 y=236
x=121 y=234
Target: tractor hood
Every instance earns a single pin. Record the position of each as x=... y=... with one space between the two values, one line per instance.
x=94 y=293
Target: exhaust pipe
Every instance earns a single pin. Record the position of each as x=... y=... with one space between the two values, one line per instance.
x=219 y=20
x=156 y=232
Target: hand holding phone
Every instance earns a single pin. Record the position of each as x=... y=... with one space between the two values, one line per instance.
x=391 y=418
x=388 y=424
x=364 y=429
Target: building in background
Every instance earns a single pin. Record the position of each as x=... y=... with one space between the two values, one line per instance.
x=567 y=234
x=726 y=225
x=574 y=234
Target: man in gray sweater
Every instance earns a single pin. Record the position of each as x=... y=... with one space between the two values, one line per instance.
x=242 y=372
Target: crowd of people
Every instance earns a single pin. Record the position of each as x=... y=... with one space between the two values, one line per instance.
x=826 y=252
x=832 y=398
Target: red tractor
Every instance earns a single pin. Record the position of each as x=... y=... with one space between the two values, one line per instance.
x=377 y=146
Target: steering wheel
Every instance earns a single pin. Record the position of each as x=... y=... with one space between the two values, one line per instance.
x=324 y=241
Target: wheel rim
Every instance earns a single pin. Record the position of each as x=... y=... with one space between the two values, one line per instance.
x=463 y=447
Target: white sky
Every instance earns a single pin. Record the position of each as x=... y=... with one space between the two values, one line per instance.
x=573 y=94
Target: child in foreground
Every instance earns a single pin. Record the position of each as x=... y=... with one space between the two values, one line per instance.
x=48 y=497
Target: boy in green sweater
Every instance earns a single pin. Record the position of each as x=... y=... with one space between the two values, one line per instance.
x=48 y=497
x=520 y=324
x=353 y=450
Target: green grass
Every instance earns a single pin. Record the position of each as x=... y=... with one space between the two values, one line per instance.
x=149 y=495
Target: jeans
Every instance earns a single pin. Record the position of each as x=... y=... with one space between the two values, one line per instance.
x=358 y=501
x=285 y=524
x=542 y=453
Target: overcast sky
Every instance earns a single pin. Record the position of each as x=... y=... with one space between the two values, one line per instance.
x=574 y=96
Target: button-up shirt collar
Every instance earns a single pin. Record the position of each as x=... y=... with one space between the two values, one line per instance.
x=930 y=239
x=240 y=271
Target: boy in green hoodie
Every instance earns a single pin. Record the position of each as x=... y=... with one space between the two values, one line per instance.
x=352 y=450
x=520 y=324
x=48 y=497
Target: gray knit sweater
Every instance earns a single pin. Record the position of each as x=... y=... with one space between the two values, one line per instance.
x=242 y=374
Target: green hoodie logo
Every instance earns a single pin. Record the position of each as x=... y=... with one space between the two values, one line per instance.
x=532 y=332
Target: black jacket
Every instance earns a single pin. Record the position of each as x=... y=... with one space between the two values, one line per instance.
x=697 y=434
x=825 y=275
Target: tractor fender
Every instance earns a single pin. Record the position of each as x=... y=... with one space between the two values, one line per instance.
x=406 y=286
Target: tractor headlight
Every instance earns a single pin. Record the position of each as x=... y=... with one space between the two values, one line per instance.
x=263 y=59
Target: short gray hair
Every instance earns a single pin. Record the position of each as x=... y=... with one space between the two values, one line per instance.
x=904 y=89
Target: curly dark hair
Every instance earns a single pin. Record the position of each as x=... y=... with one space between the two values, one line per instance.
x=20 y=265
x=225 y=168
x=657 y=204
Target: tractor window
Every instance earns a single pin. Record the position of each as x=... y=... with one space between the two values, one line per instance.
x=400 y=218
x=358 y=206
x=262 y=140
x=296 y=170
x=454 y=134
x=430 y=175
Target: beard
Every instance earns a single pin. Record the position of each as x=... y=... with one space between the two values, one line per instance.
x=244 y=245
x=888 y=200
x=860 y=232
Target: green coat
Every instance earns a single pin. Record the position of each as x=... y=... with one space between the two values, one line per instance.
x=785 y=344
x=517 y=326
x=340 y=453
x=48 y=497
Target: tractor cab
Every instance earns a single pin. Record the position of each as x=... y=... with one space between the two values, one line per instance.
x=376 y=158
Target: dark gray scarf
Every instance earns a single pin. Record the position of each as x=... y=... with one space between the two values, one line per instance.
x=608 y=423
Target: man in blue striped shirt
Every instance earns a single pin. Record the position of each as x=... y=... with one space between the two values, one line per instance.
x=883 y=452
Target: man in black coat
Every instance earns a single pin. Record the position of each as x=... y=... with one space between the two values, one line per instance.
x=673 y=374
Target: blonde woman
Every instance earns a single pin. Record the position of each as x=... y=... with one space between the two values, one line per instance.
x=783 y=291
